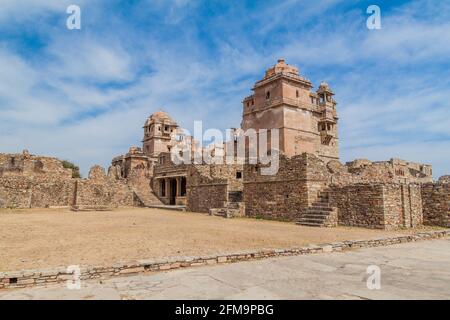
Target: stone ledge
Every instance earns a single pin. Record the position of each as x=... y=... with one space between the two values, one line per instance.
x=29 y=278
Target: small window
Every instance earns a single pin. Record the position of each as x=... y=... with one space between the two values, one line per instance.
x=238 y=174
x=166 y=128
x=296 y=93
x=268 y=95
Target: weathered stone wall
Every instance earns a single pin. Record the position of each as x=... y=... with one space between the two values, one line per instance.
x=28 y=165
x=392 y=171
x=208 y=186
x=380 y=206
x=35 y=192
x=102 y=190
x=436 y=204
x=280 y=196
x=28 y=181
x=201 y=198
x=359 y=205
x=402 y=206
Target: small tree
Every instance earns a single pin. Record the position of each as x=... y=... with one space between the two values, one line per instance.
x=75 y=169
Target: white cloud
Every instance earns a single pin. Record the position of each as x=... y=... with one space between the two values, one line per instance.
x=13 y=11
x=61 y=106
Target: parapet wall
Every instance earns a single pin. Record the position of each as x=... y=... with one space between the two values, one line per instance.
x=392 y=171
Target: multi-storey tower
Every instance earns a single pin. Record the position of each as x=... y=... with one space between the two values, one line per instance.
x=307 y=120
x=159 y=134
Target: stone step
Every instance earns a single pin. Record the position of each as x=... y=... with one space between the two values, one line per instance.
x=312 y=220
x=168 y=207
x=220 y=212
x=318 y=211
x=325 y=208
x=310 y=224
x=315 y=215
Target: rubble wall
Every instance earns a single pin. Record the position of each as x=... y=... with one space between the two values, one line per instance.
x=378 y=206
x=436 y=204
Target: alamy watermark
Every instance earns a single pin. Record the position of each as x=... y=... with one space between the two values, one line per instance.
x=374 y=280
x=238 y=147
x=73 y=22
x=374 y=20
x=75 y=282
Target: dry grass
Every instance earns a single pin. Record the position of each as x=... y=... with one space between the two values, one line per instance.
x=39 y=238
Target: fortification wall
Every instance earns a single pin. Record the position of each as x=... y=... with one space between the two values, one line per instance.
x=392 y=171
x=379 y=206
x=284 y=195
x=436 y=204
x=28 y=181
x=359 y=205
x=102 y=190
x=34 y=192
x=208 y=186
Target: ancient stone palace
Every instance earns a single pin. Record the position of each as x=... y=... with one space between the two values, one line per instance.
x=310 y=186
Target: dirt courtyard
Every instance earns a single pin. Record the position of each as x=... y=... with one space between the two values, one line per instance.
x=41 y=238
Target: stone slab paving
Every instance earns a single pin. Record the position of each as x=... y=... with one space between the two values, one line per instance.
x=417 y=270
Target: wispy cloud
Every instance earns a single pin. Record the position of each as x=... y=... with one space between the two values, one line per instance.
x=85 y=94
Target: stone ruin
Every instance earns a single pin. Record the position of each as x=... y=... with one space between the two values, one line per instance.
x=311 y=187
x=29 y=181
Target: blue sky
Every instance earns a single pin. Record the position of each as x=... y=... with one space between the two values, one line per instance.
x=84 y=95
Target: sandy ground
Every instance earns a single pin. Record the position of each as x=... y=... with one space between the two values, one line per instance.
x=40 y=238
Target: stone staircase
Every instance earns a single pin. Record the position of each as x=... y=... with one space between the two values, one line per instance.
x=147 y=197
x=320 y=214
x=229 y=210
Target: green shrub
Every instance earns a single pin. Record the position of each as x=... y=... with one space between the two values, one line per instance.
x=75 y=169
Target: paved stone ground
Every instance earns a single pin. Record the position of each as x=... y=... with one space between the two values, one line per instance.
x=419 y=270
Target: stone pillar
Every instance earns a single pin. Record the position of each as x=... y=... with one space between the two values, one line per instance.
x=167 y=183
x=178 y=186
